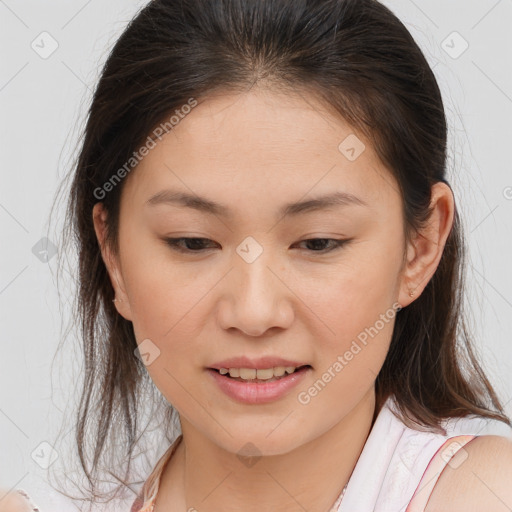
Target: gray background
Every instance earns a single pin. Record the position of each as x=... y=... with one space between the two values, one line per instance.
x=43 y=99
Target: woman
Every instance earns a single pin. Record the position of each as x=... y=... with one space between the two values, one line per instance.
x=265 y=230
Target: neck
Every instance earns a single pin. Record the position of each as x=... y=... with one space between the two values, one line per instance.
x=202 y=476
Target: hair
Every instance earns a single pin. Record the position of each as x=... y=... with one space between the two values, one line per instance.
x=358 y=59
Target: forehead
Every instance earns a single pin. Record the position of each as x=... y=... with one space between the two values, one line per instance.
x=262 y=146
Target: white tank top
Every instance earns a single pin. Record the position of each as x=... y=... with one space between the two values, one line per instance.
x=398 y=463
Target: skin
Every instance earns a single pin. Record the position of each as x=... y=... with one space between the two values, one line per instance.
x=477 y=478
x=254 y=152
x=13 y=502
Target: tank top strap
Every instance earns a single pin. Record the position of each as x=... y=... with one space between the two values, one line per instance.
x=145 y=501
x=434 y=469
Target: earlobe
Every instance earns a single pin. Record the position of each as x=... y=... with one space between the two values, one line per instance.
x=426 y=248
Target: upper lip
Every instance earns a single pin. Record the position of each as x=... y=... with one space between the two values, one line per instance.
x=259 y=364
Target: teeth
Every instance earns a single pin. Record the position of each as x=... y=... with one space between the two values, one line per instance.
x=279 y=371
x=265 y=374
x=252 y=373
x=245 y=373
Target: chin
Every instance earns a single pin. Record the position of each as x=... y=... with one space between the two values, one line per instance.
x=255 y=441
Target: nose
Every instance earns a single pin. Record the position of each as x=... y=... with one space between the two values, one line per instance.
x=255 y=296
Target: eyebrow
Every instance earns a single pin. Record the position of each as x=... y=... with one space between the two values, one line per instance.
x=202 y=204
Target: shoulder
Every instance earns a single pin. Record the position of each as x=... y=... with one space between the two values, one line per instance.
x=13 y=502
x=478 y=477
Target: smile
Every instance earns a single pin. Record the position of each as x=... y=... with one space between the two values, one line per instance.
x=258 y=386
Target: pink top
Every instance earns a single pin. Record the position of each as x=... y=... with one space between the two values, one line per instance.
x=398 y=466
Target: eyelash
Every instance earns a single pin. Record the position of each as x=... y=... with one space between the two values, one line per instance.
x=173 y=243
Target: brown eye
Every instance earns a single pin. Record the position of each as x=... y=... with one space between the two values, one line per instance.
x=322 y=244
x=192 y=245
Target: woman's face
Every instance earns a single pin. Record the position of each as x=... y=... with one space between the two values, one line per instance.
x=256 y=288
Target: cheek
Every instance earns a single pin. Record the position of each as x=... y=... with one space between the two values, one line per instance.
x=355 y=307
x=166 y=307
x=167 y=312
x=352 y=293
x=161 y=291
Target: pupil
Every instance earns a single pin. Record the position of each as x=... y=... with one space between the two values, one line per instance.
x=318 y=243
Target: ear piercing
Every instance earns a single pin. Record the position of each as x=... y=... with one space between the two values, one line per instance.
x=411 y=293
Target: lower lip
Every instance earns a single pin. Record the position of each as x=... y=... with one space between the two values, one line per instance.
x=258 y=392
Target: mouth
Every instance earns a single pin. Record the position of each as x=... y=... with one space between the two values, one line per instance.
x=255 y=386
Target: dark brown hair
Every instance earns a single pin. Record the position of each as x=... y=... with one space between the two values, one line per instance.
x=357 y=58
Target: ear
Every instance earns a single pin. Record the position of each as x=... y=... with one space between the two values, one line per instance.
x=122 y=304
x=424 y=251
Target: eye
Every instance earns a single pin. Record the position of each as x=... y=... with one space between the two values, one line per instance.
x=197 y=245
x=335 y=244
